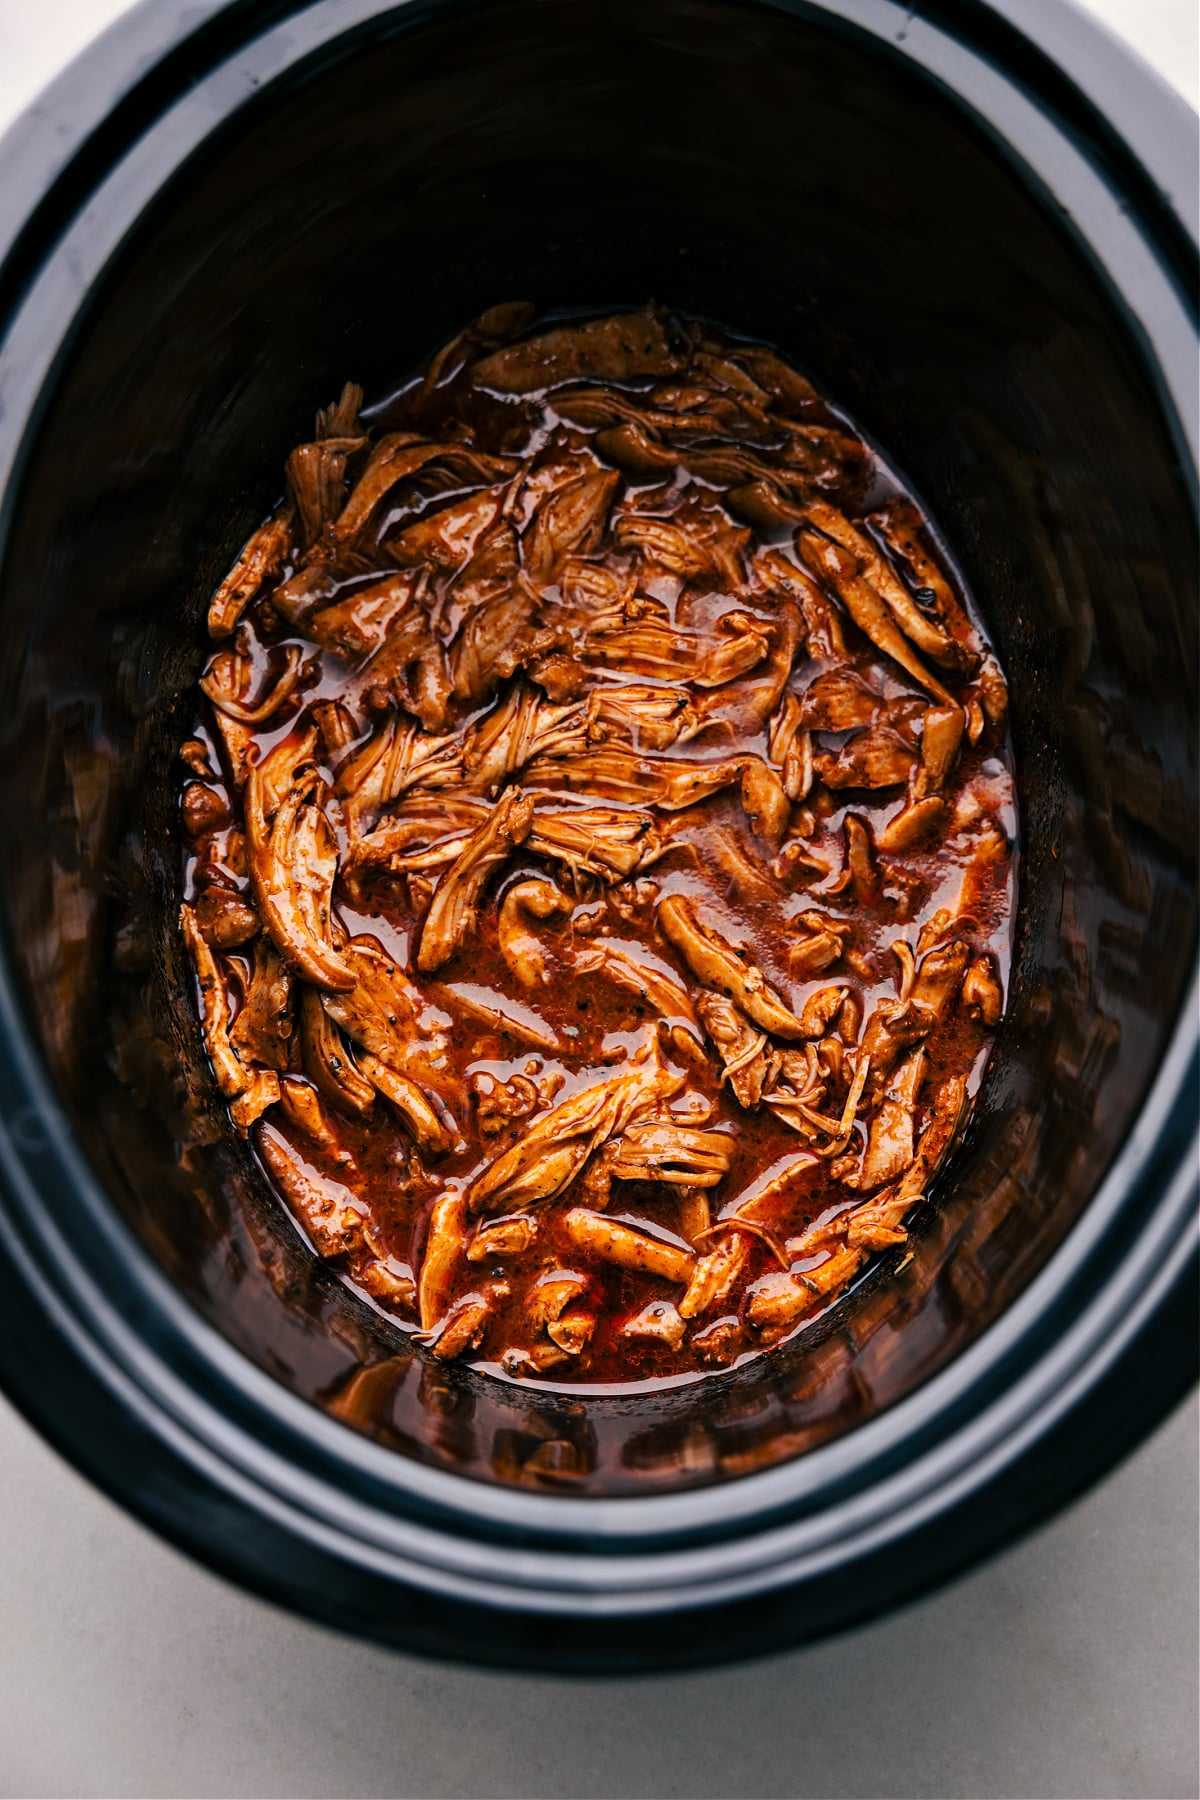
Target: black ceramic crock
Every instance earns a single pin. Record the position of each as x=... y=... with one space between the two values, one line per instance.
x=972 y=224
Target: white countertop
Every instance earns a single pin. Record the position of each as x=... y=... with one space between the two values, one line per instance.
x=1066 y=1667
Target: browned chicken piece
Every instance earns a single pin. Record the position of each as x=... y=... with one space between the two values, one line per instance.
x=556 y=1147
x=229 y=679
x=797 y=1098
x=890 y=1139
x=900 y=526
x=790 y=748
x=892 y=1029
x=716 y=1275
x=261 y=557
x=203 y=810
x=838 y=700
x=496 y=640
x=425 y=832
x=595 y=840
x=876 y=758
x=464 y=1326
x=385 y=617
x=399 y=757
x=316 y=475
x=660 y=1320
x=495 y=326
x=821 y=1009
x=331 y=1215
x=875 y=569
x=720 y=1343
x=292 y=860
x=238 y=744
x=224 y=918
x=520 y=946
x=778 y=1300
x=619 y=348
x=326 y=1059
x=432 y=1131
x=912 y=824
x=654 y=1150
x=445 y=538
x=939 y=977
x=866 y=606
x=452 y=914
x=572 y=1331
x=231 y=1074
x=336 y=725
x=821 y=944
x=524 y=725
x=627 y=1248
x=878 y=1225
x=551 y=1294
x=694 y=557
x=302 y=1107
x=398 y=457
x=650 y=718
x=262 y=1031
x=719 y=966
x=570 y=520
x=651 y=648
x=981 y=993
x=502 y=1237
x=744 y=1051
x=442 y=1258
x=861 y=871
x=941 y=737
x=694 y=1216
x=390 y=1281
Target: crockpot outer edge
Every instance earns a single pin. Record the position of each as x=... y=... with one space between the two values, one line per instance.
x=201 y=1494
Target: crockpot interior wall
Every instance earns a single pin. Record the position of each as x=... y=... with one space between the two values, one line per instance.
x=800 y=187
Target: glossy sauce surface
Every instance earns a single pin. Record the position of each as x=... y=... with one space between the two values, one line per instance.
x=601 y=850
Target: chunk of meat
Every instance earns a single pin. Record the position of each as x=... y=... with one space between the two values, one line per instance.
x=327 y=1062
x=716 y=1275
x=520 y=946
x=838 y=700
x=981 y=993
x=332 y=1216
x=719 y=966
x=502 y=1237
x=654 y=985
x=878 y=1225
x=463 y=1327
x=660 y=1321
x=595 y=840
x=261 y=557
x=231 y=1074
x=890 y=1140
x=926 y=633
x=444 y=1253
x=316 y=476
x=558 y=1145
x=224 y=918
x=843 y=570
x=619 y=348
x=262 y=1031
x=524 y=725
x=628 y=1248
x=655 y=1150
x=570 y=520
x=292 y=858
x=744 y=1051
x=876 y=758
x=457 y=895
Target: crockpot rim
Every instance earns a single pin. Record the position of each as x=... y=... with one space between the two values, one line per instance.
x=574 y=1512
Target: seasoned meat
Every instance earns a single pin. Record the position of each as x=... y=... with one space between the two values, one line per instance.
x=598 y=826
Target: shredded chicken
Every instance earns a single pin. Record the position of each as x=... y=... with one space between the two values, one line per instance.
x=598 y=832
